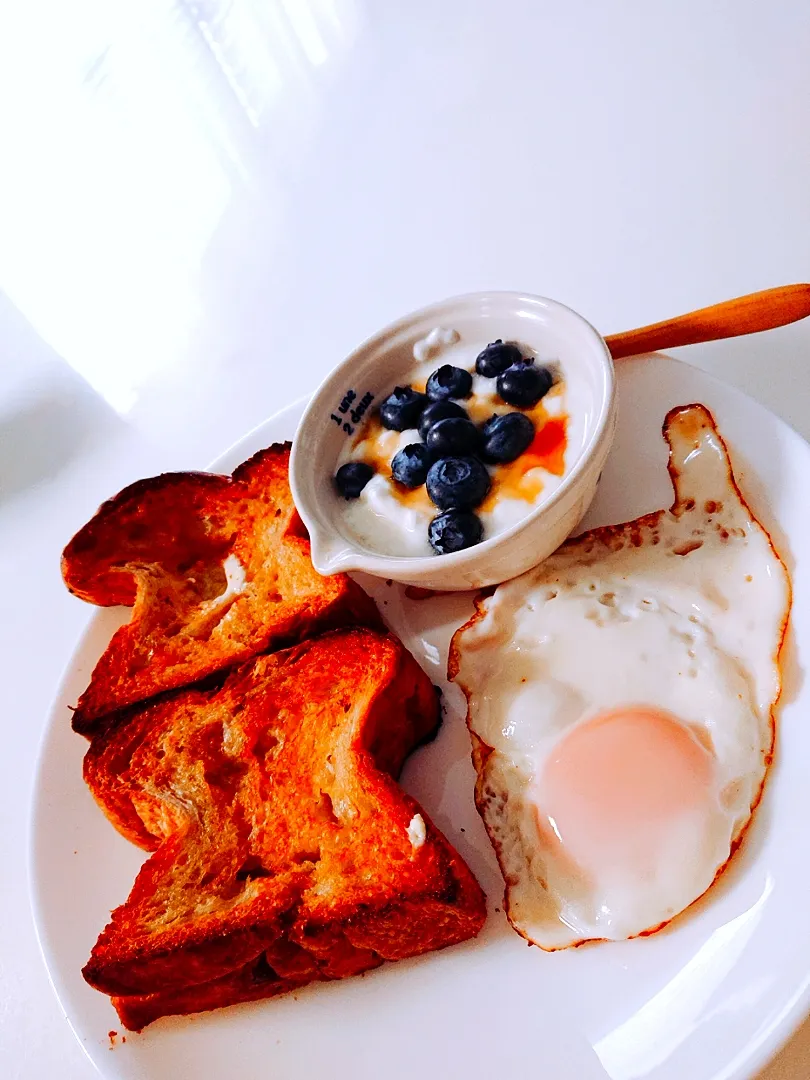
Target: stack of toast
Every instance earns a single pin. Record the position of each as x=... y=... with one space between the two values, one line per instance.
x=246 y=726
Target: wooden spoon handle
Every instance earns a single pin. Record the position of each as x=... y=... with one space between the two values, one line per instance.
x=745 y=315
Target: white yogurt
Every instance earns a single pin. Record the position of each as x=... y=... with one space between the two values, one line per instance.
x=383 y=523
x=433 y=343
x=389 y=521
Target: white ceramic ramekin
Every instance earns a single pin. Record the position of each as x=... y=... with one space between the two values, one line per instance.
x=386 y=360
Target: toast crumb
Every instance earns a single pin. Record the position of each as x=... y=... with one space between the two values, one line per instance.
x=416 y=831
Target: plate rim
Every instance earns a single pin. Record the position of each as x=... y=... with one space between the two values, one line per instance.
x=780 y=1031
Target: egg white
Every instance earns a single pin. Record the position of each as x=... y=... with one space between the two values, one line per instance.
x=684 y=611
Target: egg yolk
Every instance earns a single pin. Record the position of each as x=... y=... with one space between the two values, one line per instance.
x=616 y=782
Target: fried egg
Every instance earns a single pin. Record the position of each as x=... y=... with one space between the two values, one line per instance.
x=620 y=703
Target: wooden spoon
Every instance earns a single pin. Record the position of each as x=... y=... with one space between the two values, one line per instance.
x=745 y=315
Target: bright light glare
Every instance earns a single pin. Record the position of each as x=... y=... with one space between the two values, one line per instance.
x=115 y=187
x=122 y=139
x=652 y=1034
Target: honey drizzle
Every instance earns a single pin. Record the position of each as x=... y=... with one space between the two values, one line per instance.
x=376 y=447
x=520 y=479
x=415 y=498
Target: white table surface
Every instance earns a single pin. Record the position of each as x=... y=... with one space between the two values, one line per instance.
x=203 y=206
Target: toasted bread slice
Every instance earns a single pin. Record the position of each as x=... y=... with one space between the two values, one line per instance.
x=286 y=852
x=253 y=982
x=217 y=570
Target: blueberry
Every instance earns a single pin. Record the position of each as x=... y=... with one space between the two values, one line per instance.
x=449 y=382
x=454 y=436
x=402 y=408
x=506 y=437
x=524 y=384
x=352 y=477
x=410 y=465
x=436 y=411
x=457 y=481
x=454 y=530
x=497 y=357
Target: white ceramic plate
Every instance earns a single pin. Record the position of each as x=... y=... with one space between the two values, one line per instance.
x=710 y=998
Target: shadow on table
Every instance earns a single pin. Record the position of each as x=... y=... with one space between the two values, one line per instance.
x=46 y=427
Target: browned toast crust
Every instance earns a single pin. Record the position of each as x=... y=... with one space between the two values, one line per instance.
x=252 y=982
x=285 y=850
x=164 y=546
